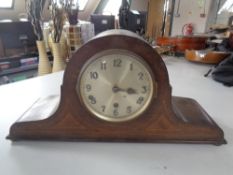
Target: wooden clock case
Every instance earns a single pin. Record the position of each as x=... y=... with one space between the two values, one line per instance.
x=167 y=119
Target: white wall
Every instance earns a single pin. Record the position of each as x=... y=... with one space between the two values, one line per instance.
x=190 y=11
x=140 y=5
x=19 y=7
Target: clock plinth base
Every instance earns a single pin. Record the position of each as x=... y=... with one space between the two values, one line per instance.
x=191 y=125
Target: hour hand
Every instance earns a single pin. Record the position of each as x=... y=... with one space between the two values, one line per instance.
x=131 y=91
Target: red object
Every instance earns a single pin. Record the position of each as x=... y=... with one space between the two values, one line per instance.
x=181 y=43
x=187 y=29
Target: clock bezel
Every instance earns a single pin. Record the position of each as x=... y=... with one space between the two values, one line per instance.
x=138 y=113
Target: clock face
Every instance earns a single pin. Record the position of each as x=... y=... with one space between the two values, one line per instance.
x=116 y=85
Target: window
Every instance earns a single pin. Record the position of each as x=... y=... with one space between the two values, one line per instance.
x=82 y=4
x=112 y=7
x=6 y=3
x=227 y=6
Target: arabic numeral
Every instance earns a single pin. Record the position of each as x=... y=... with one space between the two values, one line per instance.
x=131 y=67
x=92 y=99
x=117 y=63
x=115 y=112
x=103 y=65
x=129 y=109
x=140 y=100
x=145 y=89
x=103 y=108
x=94 y=75
x=88 y=87
x=140 y=76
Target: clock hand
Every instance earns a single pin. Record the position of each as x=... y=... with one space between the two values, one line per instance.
x=116 y=89
x=131 y=91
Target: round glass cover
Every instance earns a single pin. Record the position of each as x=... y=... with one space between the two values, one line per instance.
x=115 y=85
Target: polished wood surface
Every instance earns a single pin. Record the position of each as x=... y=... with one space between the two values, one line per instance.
x=211 y=57
x=168 y=119
x=155 y=18
x=181 y=43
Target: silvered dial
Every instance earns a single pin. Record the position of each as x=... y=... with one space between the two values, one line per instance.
x=115 y=85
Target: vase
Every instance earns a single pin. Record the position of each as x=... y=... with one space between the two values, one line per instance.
x=63 y=45
x=72 y=16
x=74 y=38
x=44 y=66
x=46 y=33
x=58 y=61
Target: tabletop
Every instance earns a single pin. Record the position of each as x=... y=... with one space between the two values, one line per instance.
x=44 y=157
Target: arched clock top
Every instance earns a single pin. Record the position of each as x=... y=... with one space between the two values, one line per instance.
x=118 y=40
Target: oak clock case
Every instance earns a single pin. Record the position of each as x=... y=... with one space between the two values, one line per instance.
x=96 y=95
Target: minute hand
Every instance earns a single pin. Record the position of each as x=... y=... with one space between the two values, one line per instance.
x=129 y=90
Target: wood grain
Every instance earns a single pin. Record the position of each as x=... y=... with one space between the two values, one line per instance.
x=167 y=119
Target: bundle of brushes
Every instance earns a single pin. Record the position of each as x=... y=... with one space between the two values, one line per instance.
x=71 y=10
x=34 y=10
x=57 y=15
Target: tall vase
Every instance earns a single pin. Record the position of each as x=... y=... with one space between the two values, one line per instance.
x=44 y=66
x=74 y=38
x=58 y=61
x=63 y=45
